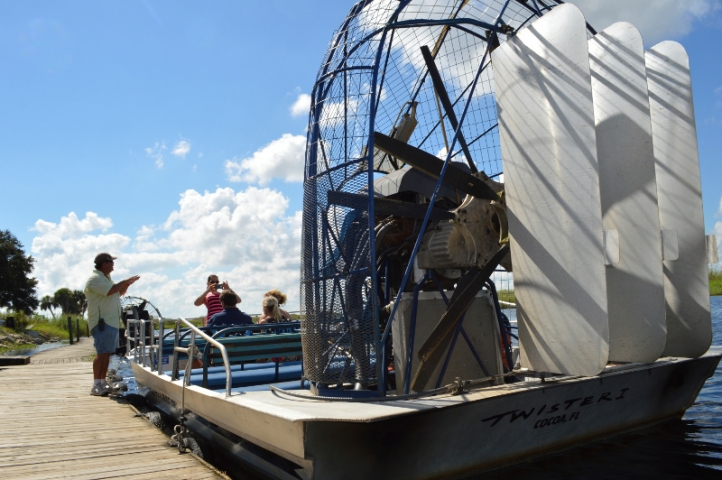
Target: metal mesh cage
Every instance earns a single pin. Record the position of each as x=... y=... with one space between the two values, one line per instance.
x=372 y=74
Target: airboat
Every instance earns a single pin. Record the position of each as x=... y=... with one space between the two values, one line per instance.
x=453 y=146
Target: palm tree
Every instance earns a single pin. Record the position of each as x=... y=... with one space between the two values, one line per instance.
x=64 y=299
x=81 y=303
x=48 y=303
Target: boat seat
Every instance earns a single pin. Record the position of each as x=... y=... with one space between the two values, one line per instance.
x=257 y=376
x=246 y=349
x=222 y=332
x=254 y=347
x=238 y=367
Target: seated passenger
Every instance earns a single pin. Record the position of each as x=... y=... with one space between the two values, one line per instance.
x=281 y=297
x=231 y=315
x=271 y=311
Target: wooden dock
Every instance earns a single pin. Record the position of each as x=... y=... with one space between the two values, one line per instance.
x=51 y=427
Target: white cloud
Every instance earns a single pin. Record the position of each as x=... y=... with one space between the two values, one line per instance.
x=657 y=20
x=302 y=105
x=156 y=153
x=282 y=158
x=181 y=148
x=248 y=238
x=71 y=226
x=62 y=250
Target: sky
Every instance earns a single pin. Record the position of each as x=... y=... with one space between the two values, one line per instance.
x=172 y=134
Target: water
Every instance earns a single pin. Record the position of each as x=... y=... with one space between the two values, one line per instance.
x=690 y=448
x=37 y=349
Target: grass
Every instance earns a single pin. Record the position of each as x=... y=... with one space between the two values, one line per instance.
x=54 y=330
x=48 y=327
x=506 y=296
x=59 y=327
x=715 y=281
x=21 y=346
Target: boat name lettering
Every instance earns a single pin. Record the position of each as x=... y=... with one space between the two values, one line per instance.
x=545 y=422
x=523 y=414
x=164 y=398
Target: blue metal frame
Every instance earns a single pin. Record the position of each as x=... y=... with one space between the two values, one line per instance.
x=412 y=332
x=315 y=266
x=432 y=200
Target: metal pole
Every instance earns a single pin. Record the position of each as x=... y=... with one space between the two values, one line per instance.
x=70 y=329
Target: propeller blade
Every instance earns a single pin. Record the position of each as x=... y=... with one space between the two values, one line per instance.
x=467 y=287
x=430 y=165
x=388 y=206
x=446 y=103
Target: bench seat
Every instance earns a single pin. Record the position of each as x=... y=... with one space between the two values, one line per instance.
x=257 y=376
x=238 y=367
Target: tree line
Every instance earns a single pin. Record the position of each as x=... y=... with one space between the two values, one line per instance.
x=70 y=302
x=18 y=288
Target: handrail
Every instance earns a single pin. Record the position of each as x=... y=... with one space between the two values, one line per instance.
x=138 y=340
x=211 y=340
x=156 y=343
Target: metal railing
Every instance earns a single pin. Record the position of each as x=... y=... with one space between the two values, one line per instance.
x=150 y=354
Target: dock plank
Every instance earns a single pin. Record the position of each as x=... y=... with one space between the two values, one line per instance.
x=53 y=428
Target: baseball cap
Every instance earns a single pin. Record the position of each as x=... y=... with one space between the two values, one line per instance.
x=104 y=257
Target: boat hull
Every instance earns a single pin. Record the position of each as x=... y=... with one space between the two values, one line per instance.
x=449 y=436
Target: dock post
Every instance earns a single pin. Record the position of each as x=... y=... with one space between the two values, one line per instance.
x=77 y=330
x=70 y=329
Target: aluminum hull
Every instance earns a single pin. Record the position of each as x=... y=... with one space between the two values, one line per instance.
x=446 y=436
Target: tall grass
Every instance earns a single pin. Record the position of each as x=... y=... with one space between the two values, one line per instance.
x=506 y=296
x=49 y=327
x=715 y=281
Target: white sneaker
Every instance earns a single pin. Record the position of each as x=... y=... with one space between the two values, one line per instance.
x=99 y=390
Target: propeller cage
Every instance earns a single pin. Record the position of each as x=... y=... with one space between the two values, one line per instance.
x=397 y=73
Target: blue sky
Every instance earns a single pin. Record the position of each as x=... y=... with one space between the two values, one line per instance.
x=171 y=133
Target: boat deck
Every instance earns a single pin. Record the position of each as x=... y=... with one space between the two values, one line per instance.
x=299 y=409
x=53 y=428
x=482 y=429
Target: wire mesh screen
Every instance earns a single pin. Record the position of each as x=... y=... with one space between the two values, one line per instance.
x=372 y=76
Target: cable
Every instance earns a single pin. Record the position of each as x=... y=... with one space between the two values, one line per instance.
x=410 y=396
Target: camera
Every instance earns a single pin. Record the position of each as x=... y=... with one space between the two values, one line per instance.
x=219 y=286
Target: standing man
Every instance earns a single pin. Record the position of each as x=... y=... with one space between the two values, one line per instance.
x=104 y=317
